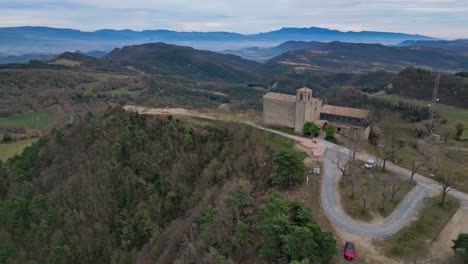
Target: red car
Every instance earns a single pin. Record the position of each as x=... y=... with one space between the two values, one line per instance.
x=349 y=252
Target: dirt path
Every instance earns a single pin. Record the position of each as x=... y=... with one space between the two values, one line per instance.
x=441 y=249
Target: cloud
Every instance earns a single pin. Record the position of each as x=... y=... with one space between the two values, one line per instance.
x=442 y=18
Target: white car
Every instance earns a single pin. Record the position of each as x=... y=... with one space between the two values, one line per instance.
x=370 y=164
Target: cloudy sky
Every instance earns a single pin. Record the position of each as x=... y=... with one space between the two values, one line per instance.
x=438 y=18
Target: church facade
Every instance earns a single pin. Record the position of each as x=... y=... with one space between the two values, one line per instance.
x=293 y=111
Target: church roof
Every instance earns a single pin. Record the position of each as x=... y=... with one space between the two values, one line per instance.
x=280 y=97
x=345 y=111
x=304 y=89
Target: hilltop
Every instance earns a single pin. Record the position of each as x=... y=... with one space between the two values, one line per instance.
x=419 y=84
x=166 y=59
x=153 y=192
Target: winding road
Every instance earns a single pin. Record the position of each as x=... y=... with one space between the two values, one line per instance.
x=330 y=204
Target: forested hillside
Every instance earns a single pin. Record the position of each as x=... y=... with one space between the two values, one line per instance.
x=121 y=187
x=419 y=84
x=161 y=58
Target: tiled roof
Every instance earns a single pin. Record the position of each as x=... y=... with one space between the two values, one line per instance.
x=281 y=97
x=304 y=89
x=345 y=111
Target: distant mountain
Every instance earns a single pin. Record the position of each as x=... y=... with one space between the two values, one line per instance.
x=354 y=57
x=23 y=40
x=264 y=54
x=460 y=45
x=43 y=57
x=166 y=59
x=25 y=58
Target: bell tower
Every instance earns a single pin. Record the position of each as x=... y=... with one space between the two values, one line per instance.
x=303 y=108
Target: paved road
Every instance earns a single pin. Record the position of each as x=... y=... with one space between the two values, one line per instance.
x=400 y=217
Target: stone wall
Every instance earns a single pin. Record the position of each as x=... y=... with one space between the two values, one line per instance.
x=279 y=113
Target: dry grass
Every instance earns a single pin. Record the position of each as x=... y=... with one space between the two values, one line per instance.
x=371 y=181
x=413 y=241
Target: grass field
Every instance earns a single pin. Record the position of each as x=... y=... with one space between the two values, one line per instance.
x=454 y=115
x=34 y=120
x=372 y=181
x=414 y=240
x=8 y=150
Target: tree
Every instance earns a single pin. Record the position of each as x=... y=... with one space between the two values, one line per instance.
x=390 y=138
x=460 y=245
x=460 y=128
x=395 y=188
x=310 y=129
x=288 y=168
x=385 y=192
x=415 y=166
x=342 y=162
x=330 y=130
x=448 y=181
x=365 y=188
x=7 y=138
x=289 y=232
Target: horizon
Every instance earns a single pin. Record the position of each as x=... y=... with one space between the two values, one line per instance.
x=214 y=31
x=421 y=17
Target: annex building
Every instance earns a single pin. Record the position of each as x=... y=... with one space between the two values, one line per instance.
x=293 y=111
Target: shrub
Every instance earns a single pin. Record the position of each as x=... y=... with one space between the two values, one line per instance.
x=310 y=129
x=330 y=131
x=7 y=138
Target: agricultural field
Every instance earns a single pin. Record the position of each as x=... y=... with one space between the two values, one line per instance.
x=34 y=120
x=454 y=115
x=9 y=150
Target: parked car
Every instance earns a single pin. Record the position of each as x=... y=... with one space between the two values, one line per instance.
x=370 y=164
x=349 y=251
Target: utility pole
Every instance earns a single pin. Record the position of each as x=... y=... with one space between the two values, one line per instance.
x=433 y=103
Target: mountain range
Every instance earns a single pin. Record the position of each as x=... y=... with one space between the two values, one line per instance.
x=27 y=40
x=359 y=57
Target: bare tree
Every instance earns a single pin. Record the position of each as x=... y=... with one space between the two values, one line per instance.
x=415 y=166
x=390 y=128
x=365 y=188
x=448 y=181
x=385 y=192
x=342 y=161
x=395 y=187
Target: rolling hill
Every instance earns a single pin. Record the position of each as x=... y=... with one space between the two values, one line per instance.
x=354 y=57
x=165 y=59
x=459 y=45
x=264 y=54
x=418 y=84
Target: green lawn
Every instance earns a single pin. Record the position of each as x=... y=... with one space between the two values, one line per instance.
x=34 y=120
x=454 y=114
x=8 y=150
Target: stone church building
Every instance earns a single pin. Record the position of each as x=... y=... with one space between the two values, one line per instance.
x=293 y=111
